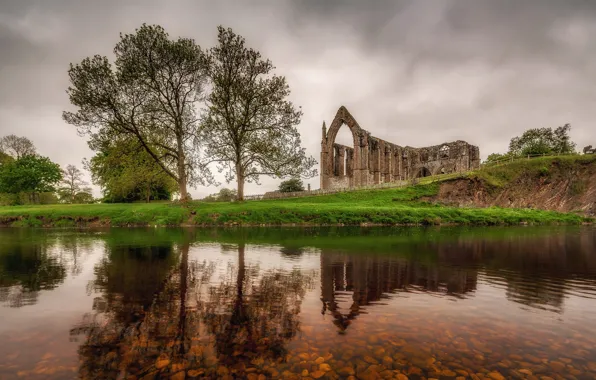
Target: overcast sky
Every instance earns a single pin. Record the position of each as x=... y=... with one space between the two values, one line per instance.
x=414 y=73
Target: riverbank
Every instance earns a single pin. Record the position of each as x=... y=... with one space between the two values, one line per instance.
x=401 y=206
x=559 y=190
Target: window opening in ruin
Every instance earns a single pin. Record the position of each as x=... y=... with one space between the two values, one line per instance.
x=444 y=151
x=346 y=157
x=344 y=136
x=423 y=172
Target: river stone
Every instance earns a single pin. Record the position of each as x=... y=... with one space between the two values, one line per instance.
x=195 y=372
x=496 y=376
x=347 y=371
x=388 y=361
x=557 y=366
x=370 y=359
x=162 y=362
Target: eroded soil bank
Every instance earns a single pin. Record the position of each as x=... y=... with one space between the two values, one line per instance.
x=557 y=185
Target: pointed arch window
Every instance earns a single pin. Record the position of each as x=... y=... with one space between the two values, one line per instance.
x=444 y=152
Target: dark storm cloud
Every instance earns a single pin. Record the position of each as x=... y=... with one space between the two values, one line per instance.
x=413 y=72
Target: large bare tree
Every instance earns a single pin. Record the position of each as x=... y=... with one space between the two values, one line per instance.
x=16 y=146
x=151 y=95
x=250 y=128
x=72 y=184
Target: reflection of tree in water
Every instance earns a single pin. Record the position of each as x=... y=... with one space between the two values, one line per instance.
x=26 y=269
x=251 y=316
x=292 y=252
x=129 y=278
x=74 y=248
x=32 y=261
x=536 y=271
x=358 y=281
x=189 y=324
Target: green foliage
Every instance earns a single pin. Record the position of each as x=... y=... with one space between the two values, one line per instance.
x=291 y=185
x=84 y=196
x=503 y=175
x=150 y=95
x=386 y=206
x=224 y=195
x=497 y=157
x=544 y=171
x=250 y=129
x=29 y=174
x=127 y=173
x=4 y=158
x=537 y=141
x=396 y=206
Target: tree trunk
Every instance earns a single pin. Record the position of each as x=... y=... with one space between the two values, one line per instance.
x=183 y=290
x=148 y=198
x=182 y=179
x=241 y=273
x=240 y=178
x=239 y=318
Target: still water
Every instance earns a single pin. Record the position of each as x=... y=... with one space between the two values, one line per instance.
x=400 y=303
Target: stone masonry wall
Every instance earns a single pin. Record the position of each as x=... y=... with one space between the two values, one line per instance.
x=373 y=161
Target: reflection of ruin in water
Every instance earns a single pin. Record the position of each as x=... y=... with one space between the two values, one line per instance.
x=372 y=279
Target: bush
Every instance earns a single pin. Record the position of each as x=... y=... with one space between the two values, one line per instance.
x=224 y=195
x=47 y=198
x=291 y=185
x=8 y=199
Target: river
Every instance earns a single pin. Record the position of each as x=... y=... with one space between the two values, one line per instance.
x=328 y=303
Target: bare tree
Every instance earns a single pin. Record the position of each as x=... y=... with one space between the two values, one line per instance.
x=16 y=146
x=150 y=95
x=72 y=184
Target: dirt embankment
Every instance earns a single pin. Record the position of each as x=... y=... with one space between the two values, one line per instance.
x=558 y=185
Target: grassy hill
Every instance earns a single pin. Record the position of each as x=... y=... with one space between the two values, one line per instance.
x=476 y=198
x=566 y=184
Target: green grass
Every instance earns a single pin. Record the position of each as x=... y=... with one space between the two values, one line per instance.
x=97 y=214
x=399 y=206
x=384 y=207
x=502 y=175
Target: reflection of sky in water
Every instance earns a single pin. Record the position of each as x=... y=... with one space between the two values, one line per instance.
x=506 y=303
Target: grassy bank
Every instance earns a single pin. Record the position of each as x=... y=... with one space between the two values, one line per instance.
x=380 y=207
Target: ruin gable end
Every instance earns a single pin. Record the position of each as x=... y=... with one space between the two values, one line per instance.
x=371 y=160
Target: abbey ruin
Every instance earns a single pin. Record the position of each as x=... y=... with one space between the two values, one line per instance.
x=373 y=161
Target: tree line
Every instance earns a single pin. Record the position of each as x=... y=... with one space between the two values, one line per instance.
x=539 y=141
x=166 y=112
x=27 y=177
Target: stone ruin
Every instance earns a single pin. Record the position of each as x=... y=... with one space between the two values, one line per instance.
x=374 y=161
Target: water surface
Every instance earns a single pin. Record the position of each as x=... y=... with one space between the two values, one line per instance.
x=298 y=303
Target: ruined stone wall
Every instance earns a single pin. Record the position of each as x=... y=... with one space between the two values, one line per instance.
x=373 y=161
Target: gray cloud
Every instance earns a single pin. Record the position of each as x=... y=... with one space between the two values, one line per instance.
x=415 y=73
